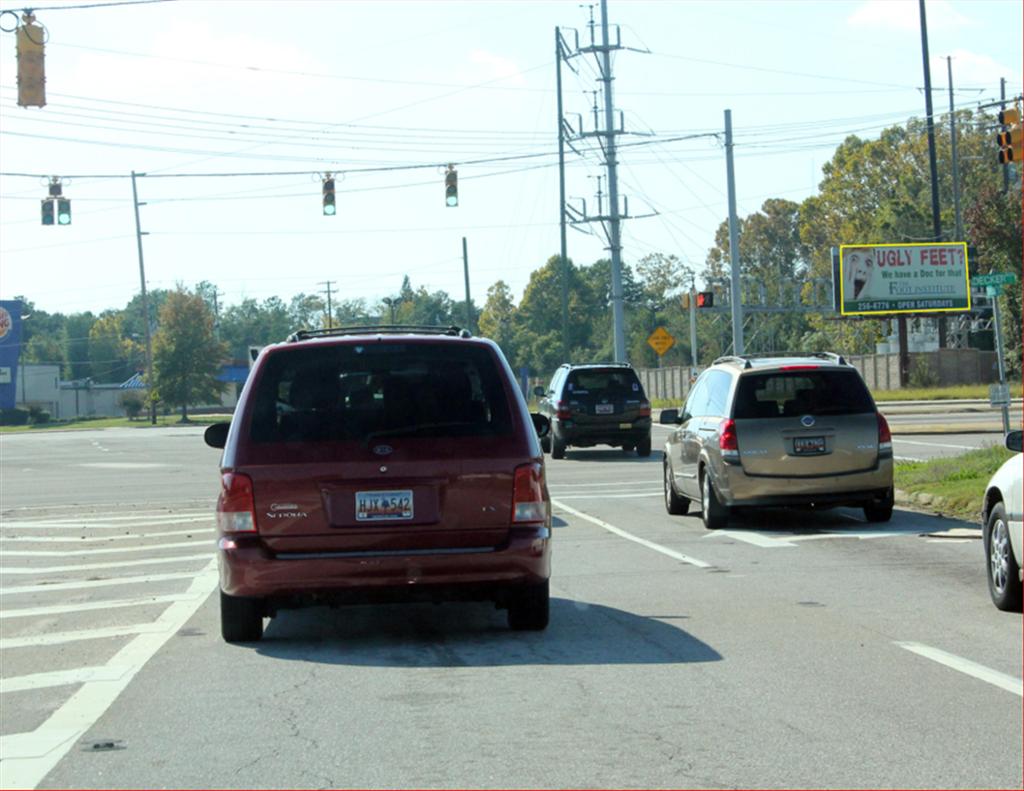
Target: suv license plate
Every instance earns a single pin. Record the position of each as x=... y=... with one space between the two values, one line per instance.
x=808 y=445
x=383 y=506
x=604 y=409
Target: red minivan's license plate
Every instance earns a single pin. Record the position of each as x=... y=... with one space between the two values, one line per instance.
x=383 y=506
x=807 y=445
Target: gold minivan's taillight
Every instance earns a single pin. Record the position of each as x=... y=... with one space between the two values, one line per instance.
x=236 y=505
x=528 y=503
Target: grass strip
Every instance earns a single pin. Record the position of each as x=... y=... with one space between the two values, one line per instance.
x=955 y=483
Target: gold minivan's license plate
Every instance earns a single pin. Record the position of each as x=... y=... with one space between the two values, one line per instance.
x=808 y=445
x=384 y=506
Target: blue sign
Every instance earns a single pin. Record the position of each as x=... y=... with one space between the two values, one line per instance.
x=10 y=349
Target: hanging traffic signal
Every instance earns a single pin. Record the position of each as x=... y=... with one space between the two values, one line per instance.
x=705 y=299
x=31 y=72
x=48 y=211
x=686 y=301
x=63 y=211
x=451 y=187
x=1010 y=138
x=329 y=207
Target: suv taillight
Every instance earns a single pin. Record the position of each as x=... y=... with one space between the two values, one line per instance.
x=645 y=409
x=728 y=442
x=562 y=411
x=884 y=437
x=236 y=506
x=528 y=495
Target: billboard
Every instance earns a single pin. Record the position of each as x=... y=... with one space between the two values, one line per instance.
x=903 y=278
x=10 y=349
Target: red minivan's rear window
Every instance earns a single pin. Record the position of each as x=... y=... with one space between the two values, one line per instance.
x=361 y=392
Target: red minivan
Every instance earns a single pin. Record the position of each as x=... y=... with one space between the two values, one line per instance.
x=381 y=464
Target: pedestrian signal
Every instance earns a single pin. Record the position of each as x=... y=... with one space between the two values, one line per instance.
x=706 y=299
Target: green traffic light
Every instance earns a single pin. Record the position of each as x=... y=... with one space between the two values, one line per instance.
x=329 y=209
x=63 y=211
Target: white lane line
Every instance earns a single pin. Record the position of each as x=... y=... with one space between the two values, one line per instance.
x=120 y=564
x=103 y=604
x=594 y=496
x=59 y=638
x=61 y=678
x=124 y=465
x=630 y=537
x=28 y=757
x=751 y=537
x=986 y=674
x=111 y=523
x=607 y=485
x=65 y=553
x=908 y=458
x=102 y=539
x=934 y=444
x=71 y=586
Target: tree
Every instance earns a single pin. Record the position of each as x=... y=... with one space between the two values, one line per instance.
x=186 y=356
x=498 y=318
x=109 y=353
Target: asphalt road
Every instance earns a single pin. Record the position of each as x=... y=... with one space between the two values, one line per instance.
x=791 y=650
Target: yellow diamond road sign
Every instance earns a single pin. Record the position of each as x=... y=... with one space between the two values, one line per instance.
x=661 y=341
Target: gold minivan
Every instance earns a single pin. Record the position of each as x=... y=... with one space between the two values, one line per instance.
x=792 y=430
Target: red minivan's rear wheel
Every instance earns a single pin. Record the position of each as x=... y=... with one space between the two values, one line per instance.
x=241 y=619
x=529 y=608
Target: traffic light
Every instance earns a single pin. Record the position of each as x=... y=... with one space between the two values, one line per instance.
x=705 y=299
x=48 y=211
x=31 y=72
x=63 y=211
x=1010 y=138
x=451 y=187
x=329 y=207
x=686 y=301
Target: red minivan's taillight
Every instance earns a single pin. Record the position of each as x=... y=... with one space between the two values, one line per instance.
x=728 y=442
x=528 y=495
x=236 y=506
x=884 y=437
x=562 y=411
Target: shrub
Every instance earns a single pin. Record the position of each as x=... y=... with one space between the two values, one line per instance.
x=923 y=374
x=132 y=403
x=38 y=416
x=13 y=417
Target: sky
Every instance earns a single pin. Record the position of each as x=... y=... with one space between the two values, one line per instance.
x=235 y=109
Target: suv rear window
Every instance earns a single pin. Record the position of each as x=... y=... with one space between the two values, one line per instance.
x=358 y=392
x=603 y=382
x=795 y=393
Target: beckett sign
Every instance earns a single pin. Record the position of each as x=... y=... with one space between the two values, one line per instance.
x=903 y=278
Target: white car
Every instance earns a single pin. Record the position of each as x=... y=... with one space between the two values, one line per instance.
x=1001 y=530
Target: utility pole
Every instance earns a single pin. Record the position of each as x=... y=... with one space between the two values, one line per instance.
x=618 y=318
x=330 y=310
x=563 y=262
x=956 y=159
x=216 y=314
x=139 y=233
x=1002 y=106
x=932 y=161
x=735 y=295
x=465 y=271
x=693 y=323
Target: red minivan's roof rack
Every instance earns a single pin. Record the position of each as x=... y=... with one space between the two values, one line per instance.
x=384 y=329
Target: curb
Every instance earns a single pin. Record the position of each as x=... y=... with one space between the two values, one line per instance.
x=926 y=503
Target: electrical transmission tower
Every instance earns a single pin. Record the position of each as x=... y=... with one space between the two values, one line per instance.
x=606 y=135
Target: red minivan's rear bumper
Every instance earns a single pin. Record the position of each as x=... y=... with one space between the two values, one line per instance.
x=249 y=568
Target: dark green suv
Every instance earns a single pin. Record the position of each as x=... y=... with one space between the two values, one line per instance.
x=596 y=404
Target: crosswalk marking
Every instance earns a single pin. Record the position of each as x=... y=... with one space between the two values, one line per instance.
x=93 y=566
x=78 y=635
x=101 y=539
x=88 y=606
x=85 y=584
x=38 y=553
